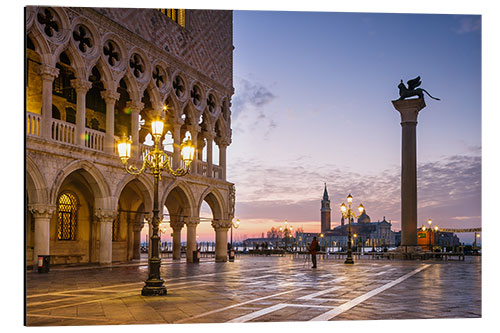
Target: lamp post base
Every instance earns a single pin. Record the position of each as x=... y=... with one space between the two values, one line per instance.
x=154 y=288
x=349 y=261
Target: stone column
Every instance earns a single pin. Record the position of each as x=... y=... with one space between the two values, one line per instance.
x=176 y=135
x=135 y=108
x=136 y=251
x=409 y=110
x=221 y=228
x=176 y=239
x=210 y=146
x=42 y=215
x=222 y=143
x=149 y=219
x=191 y=224
x=81 y=86
x=194 y=137
x=110 y=97
x=48 y=74
x=105 y=219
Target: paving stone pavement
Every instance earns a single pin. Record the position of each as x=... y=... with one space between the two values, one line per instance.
x=257 y=289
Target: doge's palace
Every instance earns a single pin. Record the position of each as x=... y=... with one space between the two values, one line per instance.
x=96 y=75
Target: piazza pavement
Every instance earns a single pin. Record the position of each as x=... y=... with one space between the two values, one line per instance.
x=256 y=289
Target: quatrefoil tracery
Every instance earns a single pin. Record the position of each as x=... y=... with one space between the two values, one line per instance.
x=80 y=36
x=196 y=95
x=158 y=76
x=47 y=20
x=136 y=65
x=211 y=103
x=178 y=86
x=109 y=50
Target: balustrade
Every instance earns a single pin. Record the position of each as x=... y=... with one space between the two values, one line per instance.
x=62 y=131
x=65 y=132
x=94 y=139
x=33 y=124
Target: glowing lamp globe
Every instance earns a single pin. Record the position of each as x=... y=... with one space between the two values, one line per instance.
x=187 y=152
x=157 y=128
x=124 y=150
x=349 y=199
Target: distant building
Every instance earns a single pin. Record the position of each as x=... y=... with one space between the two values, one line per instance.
x=370 y=234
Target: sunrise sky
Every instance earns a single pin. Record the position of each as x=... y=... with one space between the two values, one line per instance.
x=312 y=104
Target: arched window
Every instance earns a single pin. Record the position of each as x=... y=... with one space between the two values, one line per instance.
x=56 y=114
x=71 y=115
x=66 y=216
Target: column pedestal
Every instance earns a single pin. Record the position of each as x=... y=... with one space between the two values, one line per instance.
x=136 y=250
x=409 y=110
x=221 y=228
x=105 y=219
x=176 y=239
x=191 y=238
x=42 y=215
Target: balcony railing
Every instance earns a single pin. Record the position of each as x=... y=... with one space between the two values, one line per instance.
x=217 y=171
x=94 y=139
x=65 y=132
x=62 y=131
x=33 y=124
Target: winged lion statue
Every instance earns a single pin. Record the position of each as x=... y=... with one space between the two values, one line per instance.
x=411 y=90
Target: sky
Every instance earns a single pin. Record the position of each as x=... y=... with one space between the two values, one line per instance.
x=312 y=104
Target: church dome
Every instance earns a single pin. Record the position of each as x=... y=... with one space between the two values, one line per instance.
x=364 y=218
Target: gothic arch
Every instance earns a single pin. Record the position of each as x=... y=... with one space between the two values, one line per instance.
x=145 y=185
x=77 y=62
x=92 y=175
x=41 y=47
x=185 y=196
x=216 y=202
x=35 y=183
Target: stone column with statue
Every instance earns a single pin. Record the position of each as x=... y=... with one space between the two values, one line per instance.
x=409 y=109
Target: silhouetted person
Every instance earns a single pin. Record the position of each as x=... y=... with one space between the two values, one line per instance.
x=313 y=249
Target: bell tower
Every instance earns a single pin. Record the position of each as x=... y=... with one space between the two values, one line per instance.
x=325 y=212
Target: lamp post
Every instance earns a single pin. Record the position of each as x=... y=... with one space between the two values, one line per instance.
x=235 y=226
x=163 y=229
x=436 y=234
x=157 y=161
x=347 y=212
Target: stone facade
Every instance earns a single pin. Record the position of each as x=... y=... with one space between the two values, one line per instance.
x=95 y=75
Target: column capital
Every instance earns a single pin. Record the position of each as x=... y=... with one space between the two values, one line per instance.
x=137 y=227
x=176 y=225
x=209 y=135
x=409 y=109
x=41 y=210
x=135 y=106
x=81 y=85
x=110 y=96
x=192 y=221
x=104 y=215
x=48 y=72
x=193 y=129
x=221 y=224
x=222 y=142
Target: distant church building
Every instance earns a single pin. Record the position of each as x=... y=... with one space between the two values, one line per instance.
x=325 y=212
x=368 y=233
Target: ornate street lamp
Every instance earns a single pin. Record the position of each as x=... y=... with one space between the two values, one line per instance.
x=235 y=226
x=157 y=161
x=347 y=212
